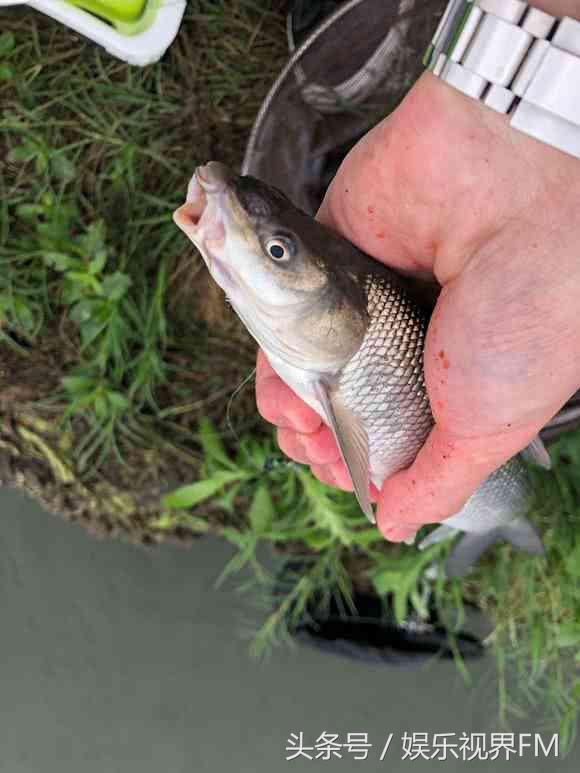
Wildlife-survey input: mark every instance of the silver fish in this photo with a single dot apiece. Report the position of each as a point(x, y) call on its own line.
point(347, 334)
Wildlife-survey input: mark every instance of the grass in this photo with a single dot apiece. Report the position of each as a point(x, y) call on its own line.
point(117, 357)
point(95, 156)
point(534, 604)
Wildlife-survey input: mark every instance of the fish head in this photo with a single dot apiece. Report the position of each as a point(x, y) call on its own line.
point(287, 276)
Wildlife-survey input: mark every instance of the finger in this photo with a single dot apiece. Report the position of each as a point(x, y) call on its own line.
point(445, 473)
point(324, 473)
point(278, 404)
point(314, 448)
point(320, 446)
point(400, 534)
point(289, 442)
point(335, 474)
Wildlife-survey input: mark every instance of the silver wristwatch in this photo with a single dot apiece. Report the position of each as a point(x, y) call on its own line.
point(517, 60)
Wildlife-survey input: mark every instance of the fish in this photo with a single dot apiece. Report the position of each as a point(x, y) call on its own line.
point(347, 334)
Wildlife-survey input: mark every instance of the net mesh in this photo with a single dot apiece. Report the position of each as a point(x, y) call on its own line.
point(350, 72)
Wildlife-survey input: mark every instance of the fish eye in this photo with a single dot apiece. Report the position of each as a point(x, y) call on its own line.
point(279, 248)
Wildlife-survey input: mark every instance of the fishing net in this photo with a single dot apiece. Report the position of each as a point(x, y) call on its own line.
point(351, 71)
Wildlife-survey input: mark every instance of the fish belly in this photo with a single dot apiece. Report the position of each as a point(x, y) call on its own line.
point(300, 382)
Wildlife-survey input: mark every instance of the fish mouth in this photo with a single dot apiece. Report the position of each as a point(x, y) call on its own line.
point(204, 216)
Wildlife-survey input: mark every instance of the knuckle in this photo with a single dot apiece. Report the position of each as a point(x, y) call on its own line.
point(290, 445)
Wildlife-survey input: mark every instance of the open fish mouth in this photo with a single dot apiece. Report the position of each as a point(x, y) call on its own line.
point(204, 216)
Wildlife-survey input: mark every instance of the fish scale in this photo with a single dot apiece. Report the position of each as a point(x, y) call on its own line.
point(384, 385)
point(507, 489)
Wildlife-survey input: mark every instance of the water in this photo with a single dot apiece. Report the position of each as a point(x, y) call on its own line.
point(120, 658)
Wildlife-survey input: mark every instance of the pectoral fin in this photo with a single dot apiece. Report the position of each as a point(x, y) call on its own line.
point(537, 453)
point(352, 441)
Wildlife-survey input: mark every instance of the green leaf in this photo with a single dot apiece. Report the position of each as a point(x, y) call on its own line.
point(212, 446)
point(62, 167)
point(227, 500)
point(101, 407)
point(24, 152)
point(78, 383)
point(6, 72)
point(246, 555)
point(305, 533)
point(188, 496)
point(324, 508)
point(40, 162)
point(261, 513)
point(163, 521)
point(116, 285)
point(171, 520)
point(317, 538)
point(118, 400)
point(58, 260)
point(97, 264)
point(366, 537)
point(93, 239)
point(85, 310)
point(573, 562)
point(90, 331)
point(84, 279)
point(193, 522)
point(568, 635)
point(24, 314)
point(29, 211)
point(400, 576)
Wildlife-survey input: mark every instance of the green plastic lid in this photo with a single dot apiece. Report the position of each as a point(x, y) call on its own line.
point(113, 11)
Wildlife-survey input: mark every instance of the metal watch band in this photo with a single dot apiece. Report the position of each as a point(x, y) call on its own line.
point(517, 60)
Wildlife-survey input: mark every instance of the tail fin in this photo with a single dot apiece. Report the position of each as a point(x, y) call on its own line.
point(520, 533)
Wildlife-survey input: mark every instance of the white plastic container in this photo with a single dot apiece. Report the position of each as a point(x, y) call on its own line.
point(139, 49)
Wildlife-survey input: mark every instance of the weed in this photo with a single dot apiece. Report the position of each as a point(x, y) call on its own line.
point(534, 604)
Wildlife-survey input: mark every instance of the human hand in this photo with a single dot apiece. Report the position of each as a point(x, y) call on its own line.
point(444, 187)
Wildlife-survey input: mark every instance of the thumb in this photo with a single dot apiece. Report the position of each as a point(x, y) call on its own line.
point(443, 476)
